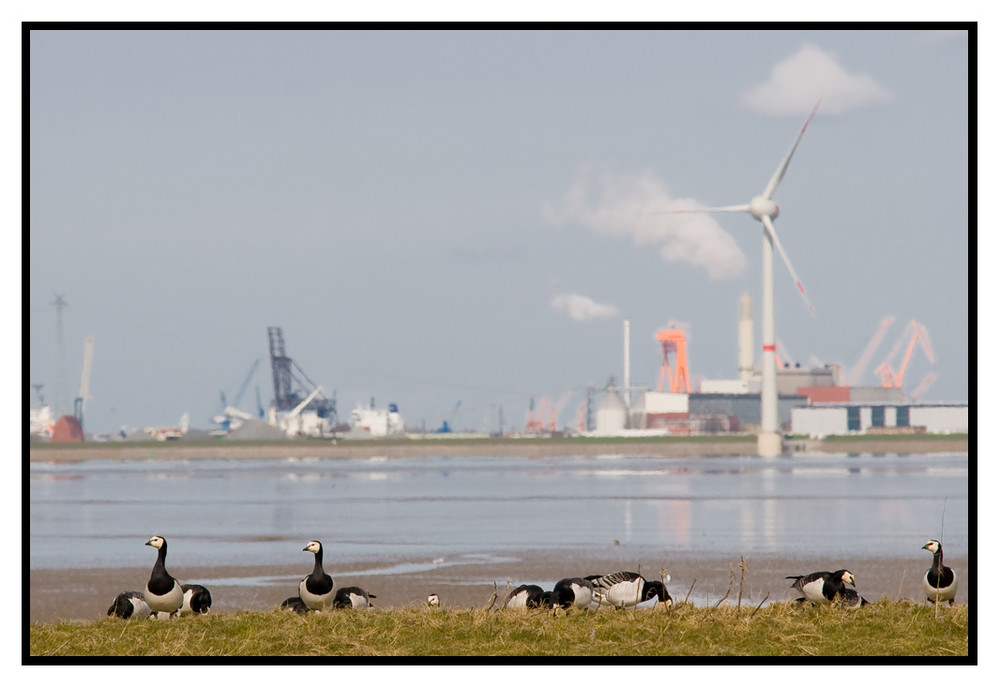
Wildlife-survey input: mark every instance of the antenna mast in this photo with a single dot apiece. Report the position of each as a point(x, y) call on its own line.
point(61, 400)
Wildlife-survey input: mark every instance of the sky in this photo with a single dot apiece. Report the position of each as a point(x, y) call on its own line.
point(459, 222)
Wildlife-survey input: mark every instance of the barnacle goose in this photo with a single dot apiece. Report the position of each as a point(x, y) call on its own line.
point(821, 587)
point(572, 592)
point(353, 597)
point(627, 589)
point(197, 599)
point(852, 599)
point(295, 604)
point(525, 597)
point(163, 592)
point(940, 581)
point(129, 605)
point(433, 600)
point(316, 589)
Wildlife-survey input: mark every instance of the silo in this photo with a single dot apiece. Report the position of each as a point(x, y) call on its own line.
point(611, 414)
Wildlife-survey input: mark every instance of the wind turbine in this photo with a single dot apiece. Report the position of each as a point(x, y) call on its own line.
point(764, 209)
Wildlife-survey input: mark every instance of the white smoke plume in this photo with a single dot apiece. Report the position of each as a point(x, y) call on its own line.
point(631, 206)
point(581, 307)
point(798, 82)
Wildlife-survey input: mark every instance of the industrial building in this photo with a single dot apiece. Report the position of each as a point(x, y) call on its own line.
point(822, 419)
point(815, 401)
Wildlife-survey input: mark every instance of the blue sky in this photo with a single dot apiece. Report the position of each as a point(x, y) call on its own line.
point(444, 217)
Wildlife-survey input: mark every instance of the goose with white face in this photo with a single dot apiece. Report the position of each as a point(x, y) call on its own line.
point(940, 582)
point(316, 590)
point(163, 592)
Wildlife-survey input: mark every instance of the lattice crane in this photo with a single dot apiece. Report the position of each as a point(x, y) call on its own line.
point(917, 333)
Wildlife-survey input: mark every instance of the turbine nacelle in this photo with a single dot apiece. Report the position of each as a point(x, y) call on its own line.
point(761, 207)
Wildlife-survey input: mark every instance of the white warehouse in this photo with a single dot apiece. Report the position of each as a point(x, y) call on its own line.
point(822, 419)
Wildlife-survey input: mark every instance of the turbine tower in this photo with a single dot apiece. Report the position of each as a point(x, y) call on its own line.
point(764, 209)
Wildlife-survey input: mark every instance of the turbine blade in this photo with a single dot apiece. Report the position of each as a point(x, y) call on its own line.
point(772, 185)
point(744, 208)
point(769, 227)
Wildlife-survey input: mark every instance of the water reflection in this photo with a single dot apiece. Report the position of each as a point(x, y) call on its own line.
point(257, 512)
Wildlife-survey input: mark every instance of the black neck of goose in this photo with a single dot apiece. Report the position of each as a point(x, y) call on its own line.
point(161, 558)
point(938, 557)
point(318, 568)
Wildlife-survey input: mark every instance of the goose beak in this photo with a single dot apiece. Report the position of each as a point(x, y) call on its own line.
point(149, 542)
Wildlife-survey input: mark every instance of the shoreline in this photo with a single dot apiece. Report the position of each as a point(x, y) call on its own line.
point(221, 449)
point(704, 580)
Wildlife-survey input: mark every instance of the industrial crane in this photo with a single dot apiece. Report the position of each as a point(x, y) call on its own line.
point(230, 411)
point(917, 333)
point(674, 341)
point(922, 387)
point(81, 399)
point(246, 382)
point(781, 352)
point(873, 344)
point(556, 408)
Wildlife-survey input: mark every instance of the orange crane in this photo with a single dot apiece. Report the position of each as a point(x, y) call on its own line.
point(674, 342)
point(876, 339)
point(556, 408)
point(922, 387)
point(779, 352)
point(917, 333)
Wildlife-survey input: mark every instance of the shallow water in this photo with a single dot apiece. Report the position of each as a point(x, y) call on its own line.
point(244, 512)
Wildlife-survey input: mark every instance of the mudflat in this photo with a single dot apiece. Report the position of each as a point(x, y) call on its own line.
point(86, 594)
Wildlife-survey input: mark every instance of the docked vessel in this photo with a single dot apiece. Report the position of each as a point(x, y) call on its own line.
point(377, 422)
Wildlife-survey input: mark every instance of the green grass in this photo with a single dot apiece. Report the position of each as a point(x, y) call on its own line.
point(883, 629)
point(923, 437)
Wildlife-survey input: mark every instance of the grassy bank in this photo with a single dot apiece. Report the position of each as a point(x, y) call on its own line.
point(882, 629)
point(710, 445)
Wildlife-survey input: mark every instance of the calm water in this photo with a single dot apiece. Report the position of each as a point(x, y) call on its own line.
point(241, 512)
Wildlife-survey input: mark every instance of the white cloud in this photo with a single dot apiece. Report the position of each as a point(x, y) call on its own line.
point(797, 82)
point(632, 206)
point(581, 307)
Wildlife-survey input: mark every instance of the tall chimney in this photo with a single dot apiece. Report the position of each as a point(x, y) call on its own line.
point(627, 378)
point(746, 337)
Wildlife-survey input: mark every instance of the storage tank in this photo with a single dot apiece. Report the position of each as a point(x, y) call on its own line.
point(67, 429)
point(611, 413)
